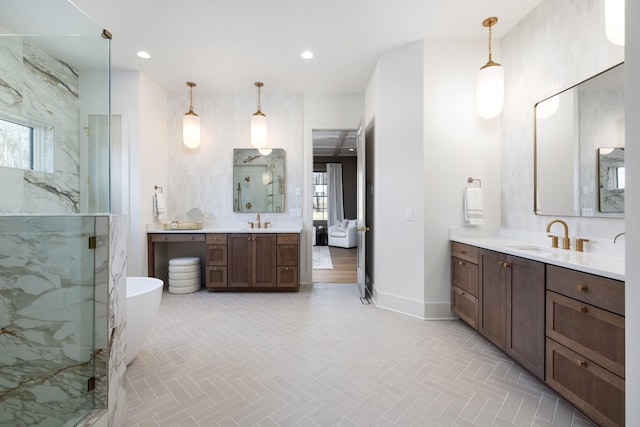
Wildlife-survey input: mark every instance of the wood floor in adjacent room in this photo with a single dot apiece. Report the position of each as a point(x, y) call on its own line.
point(319, 357)
point(344, 267)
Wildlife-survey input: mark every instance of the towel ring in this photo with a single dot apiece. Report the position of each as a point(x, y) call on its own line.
point(156, 187)
point(470, 180)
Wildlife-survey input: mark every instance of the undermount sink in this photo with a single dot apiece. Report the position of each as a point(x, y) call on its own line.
point(528, 248)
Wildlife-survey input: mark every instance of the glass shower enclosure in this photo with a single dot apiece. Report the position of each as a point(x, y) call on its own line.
point(54, 213)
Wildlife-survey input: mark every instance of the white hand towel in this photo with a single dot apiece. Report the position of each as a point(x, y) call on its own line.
point(159, 208)
point(473, 211)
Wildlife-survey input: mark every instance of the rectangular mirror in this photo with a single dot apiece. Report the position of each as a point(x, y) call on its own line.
point(258, 180)
point(579, 149)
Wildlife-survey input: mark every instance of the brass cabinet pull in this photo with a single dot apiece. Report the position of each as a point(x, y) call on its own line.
point(165, 238)
point(460, 262)
point(191, 237)
point(581, 363)
point(463, 252)
point(581, 288)
point(582, 309)
point(504, 264)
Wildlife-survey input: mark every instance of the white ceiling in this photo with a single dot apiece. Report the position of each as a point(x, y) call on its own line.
point(230, 44)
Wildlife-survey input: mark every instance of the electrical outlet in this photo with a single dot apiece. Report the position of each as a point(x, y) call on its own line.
point(587, 212)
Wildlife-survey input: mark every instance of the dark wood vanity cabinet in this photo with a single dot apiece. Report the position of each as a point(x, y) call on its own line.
point(252, 260)
point(512, 304)
point(464, 282)
point(287, 260)
point(216, 262)
point(564, 326)
point(585, 331)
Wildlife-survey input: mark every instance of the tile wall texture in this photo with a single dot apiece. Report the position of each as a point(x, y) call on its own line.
point(559, 44)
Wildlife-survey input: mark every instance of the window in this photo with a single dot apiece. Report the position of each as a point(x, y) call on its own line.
point(16, 145)
point(320, 196)
point(24, 145)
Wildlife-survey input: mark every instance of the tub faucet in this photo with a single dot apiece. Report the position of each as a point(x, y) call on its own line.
point(258, 220)
point(566, 244)
point(618, 235)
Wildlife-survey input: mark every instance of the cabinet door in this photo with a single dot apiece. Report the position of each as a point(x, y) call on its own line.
point(493, 296)
point(239, 260)
point(594, 390)
point(263, 260)
point(525, 313)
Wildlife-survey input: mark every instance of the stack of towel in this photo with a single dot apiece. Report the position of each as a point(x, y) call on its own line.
point(159, 207)
point(473, 211)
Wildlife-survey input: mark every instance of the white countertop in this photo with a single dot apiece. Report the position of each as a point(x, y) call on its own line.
point(611, 266)
point(230, 228)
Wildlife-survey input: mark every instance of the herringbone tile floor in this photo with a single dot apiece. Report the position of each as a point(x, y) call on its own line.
point(321, 358)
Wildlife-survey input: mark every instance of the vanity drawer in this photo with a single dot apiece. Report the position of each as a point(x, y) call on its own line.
point(287, 277)
point(465, 306)
point(288, 238)
point(219, 238)
point(465, 252)
point(216, 276)
point(594, 390)
point(217, 254)
point(287, 254)
point(598, 291)
point(464, 275)
point(597, 334)
point(177, 237)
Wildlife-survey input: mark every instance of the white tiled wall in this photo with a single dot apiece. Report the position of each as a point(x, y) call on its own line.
point(559, 44)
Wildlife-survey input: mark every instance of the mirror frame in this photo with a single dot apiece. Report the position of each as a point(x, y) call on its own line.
point(572, 165)
point(261, 178)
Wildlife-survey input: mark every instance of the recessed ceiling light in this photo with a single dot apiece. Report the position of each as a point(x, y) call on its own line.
point(307, 54)
point(142, 54)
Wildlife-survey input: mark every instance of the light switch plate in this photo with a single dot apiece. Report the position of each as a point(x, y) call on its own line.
point(408, 214)
point(296, 213)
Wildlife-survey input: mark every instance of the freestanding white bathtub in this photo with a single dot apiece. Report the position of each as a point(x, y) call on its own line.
point(143, 303)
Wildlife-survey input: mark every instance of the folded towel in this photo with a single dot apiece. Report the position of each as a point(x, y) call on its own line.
point(473, 211)
point(159, 208)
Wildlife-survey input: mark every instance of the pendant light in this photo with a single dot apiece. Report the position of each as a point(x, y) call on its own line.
point(191, 123)
point(490, 89)
point(614, 21)
point(259, 124)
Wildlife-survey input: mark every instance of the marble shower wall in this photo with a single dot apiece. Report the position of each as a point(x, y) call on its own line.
point(47, 319)
point(559, 44)
point(42, 90)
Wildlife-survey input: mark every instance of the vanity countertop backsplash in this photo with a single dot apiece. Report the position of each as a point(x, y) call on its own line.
point(601, 257)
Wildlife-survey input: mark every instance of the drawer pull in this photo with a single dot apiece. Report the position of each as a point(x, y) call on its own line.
point(460, 263)
point(191, 237)
point(582, 309)
point(581, 288)
point(463, 252)
point(581, 363)
point(504, 264)
point(165, 238)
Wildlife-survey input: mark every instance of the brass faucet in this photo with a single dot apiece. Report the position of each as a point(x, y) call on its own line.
point(258, 219)
point(566, 244)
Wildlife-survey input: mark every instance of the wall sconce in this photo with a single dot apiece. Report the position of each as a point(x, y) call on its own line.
point(191, 123)
point(490, 89)
point(614, 21)
point(259, 124)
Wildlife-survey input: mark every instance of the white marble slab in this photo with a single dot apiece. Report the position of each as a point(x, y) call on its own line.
point(528, 245)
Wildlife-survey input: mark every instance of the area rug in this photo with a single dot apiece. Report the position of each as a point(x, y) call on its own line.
point(322, 258)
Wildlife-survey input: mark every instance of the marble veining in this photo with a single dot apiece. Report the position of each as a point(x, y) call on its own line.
point(47, 317)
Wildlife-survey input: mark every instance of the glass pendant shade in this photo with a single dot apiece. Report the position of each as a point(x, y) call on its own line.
point(259, 130)
point(490, 83)
point(191, 123)
point(490, 91)
point(614, 21)
point(191, 130)
point(259, 125)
